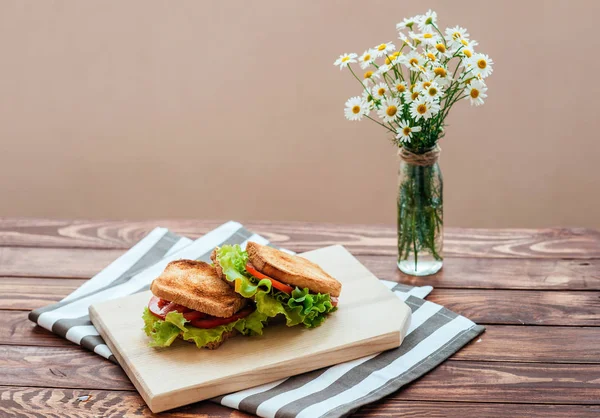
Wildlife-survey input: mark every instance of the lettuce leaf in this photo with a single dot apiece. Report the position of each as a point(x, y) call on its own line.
point(163, 333)
point(301, 307)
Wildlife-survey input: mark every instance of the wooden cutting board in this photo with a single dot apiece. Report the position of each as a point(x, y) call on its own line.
point(369, 319)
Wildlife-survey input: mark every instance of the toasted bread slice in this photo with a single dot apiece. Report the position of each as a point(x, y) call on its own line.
point(196, 285)
point(218, 268)
point(292, 269)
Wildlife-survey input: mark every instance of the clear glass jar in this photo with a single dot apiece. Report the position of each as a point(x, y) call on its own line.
point(420, 217)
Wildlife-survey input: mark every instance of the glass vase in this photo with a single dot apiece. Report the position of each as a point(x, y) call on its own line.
point(420, 213)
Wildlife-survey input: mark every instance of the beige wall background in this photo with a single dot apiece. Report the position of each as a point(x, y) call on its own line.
point(202, 109)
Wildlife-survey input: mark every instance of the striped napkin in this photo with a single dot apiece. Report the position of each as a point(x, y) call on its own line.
point(434, 335)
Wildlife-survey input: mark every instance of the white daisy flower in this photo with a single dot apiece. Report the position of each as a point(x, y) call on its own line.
point(366, 58)
point(356, 108)
point(384, 49)
point(423, 108)
point(371, 76)
point(368, 98)
point(393, 59)
point(380, 90)
point(410, 96)
point(441, 75)
point(405, 131)
point(413, 61)
point(345, 59)
point(480, 65)
point(399, 87)
point(409, 22)
point(477, 92)
point(389, 109)
point(428, 20)
point(427, 37)
point(383, 69)
point(432, 91)
point(442, 50)
point(456, 34)
point(431, 55)
point(405, 40)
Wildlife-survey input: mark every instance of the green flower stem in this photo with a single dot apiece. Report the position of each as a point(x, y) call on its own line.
point(379, 123)
point(419, 212)
point(361, 83)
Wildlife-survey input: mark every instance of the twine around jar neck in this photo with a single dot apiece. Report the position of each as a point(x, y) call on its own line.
point(424, 160)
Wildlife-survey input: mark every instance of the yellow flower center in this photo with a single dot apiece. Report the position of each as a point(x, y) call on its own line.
point(396, 54)
point(441, 48)
point(367, 58)
point(381, 47)
point(431, 56)
point(356, 109)
point(440, 72)
point(422, 109)
point(387, 60)
point(368, 74)
point(391, 111)
point(482, 64)
point(456, 35)
point(415, 95)
point(346, 58)
point(474, 93)
point(406, 131)
point(465, 43)
point(432, 91)
point(426, 84)
point(467, 53)
point(400, 88)
point(381, 91)
point(413, 61)
point(427, 36)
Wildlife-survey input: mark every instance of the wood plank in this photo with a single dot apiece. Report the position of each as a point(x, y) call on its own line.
point(497, 273)
point(507, 307)
point(16, 329)
point(525, 307)
point(302, 236)
point(534, 344)
point(51, 402)
point(464, 381)
point(32, 292)
point(390, 407)
point(498, 343)
point(78, 403)
point(467, 381)
point(489, 273)
point(54, 262)
point(61, 367)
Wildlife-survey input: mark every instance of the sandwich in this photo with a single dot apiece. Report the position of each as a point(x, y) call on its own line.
point(278, 283)
point(190, 301)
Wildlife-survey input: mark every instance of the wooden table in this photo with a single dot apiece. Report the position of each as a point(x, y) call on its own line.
point(537, 292)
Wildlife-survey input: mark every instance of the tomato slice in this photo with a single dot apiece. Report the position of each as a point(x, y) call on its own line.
point(194, 315)
point(213, 321)
point(160, 307)
point(334, 301)
point(275, 283)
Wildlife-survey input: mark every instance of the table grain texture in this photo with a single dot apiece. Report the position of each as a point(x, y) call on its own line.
point(537, 291)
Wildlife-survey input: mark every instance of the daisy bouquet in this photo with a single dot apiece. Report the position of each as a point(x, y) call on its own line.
point(409, 91)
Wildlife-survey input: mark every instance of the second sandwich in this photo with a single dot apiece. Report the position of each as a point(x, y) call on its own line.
point(279, 283)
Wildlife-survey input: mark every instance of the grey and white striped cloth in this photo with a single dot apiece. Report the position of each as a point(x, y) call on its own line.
point(434, 335)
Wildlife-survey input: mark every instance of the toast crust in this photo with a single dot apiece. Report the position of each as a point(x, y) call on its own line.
point(292, 269)
point(196, 285)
